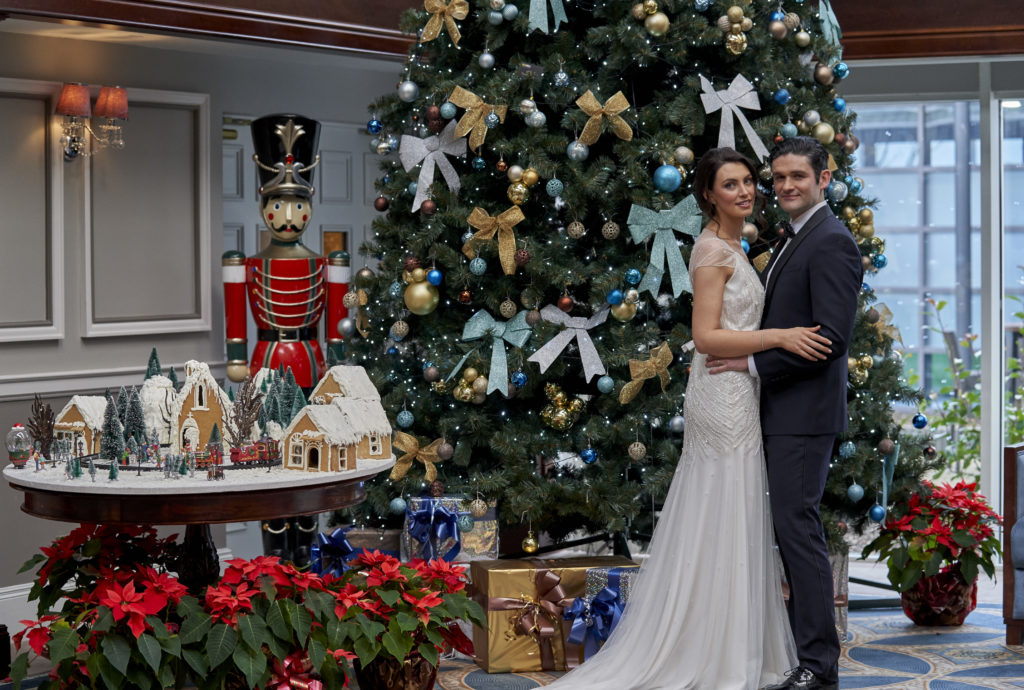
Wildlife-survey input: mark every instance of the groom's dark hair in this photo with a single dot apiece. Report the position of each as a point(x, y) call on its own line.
point(809, 147)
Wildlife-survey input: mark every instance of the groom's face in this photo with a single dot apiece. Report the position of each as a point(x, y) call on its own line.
point(796, 186)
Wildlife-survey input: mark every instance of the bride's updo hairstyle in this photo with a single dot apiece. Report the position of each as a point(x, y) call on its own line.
point(708, 168)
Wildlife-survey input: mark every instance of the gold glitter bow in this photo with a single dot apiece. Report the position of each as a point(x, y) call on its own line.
point(640, 370)
point(472, 121)
point(884, 325)
point(411, 445)
point(612, 107)
point(362, 321)
point(444, 14)
point(502, 225)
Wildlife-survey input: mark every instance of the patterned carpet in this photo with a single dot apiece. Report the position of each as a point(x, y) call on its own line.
point(885, 650)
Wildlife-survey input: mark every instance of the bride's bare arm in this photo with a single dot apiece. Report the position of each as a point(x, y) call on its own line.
point(710, 338)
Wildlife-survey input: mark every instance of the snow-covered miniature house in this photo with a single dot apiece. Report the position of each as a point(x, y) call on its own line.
point(157, 395)
point(348, 425)
point(199, 405)
point(81, 422)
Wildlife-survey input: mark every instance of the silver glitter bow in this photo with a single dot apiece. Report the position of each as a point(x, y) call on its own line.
point(740, 94)
point(432, 152)
point(539, 15)
point(576, 327)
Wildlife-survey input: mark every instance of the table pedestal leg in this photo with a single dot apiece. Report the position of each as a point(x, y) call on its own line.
point(198, 565)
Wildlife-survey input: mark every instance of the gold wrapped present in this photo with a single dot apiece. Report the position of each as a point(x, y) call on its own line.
point(525, 601)
point(432, 530)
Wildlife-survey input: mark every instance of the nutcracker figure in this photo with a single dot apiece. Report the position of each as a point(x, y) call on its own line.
point(289, 288)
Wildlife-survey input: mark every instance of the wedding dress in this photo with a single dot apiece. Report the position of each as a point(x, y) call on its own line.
point(707, 611)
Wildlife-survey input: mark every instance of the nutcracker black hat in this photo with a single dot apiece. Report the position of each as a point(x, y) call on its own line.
point(286, 153)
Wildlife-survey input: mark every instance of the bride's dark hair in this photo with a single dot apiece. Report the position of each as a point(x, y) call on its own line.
point(704, 180)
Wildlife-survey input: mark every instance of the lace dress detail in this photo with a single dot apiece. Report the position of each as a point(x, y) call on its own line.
point(707, 610)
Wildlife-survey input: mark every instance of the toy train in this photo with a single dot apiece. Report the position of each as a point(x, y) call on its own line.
point(260, 452)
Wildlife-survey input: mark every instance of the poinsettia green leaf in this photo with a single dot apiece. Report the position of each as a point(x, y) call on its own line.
point(159, 629)
point(317, 652)
point(250, 662)
point(117, 651)
point(194, 628)
point(388, 596)
point(253, 630)
point(19, 669)
point(220, 642)
point(336, 632)
point(63, 643)
point(277, 622)
point(299, 619)
point(934, 564)
point(150, 650)
point(166, 676)
point(428, 652)
point(278, 648)
point(908, 579)
point(31, 563)
point(396, 642)
point(366, 650)
point(899, 559)
point(475, 613)
point(407, 622)
point(963, 538)
point(370, 628)
point(112, 678)
point(139, 678)
point(189, 606)
point(172, 645)
point(196, 661)
point(969, 569)
point(434, 637)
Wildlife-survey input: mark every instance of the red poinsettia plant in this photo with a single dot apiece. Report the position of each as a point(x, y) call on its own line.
point(942, 528)
point(112, 614)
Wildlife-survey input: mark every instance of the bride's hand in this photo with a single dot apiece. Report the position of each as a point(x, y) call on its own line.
point(806, 342)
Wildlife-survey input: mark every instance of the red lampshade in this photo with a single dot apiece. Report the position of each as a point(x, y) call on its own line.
point(112, 103)
point(74, 100)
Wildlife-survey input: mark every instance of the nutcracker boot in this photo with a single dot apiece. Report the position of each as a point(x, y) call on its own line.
point(301, 535)
point(275, 538)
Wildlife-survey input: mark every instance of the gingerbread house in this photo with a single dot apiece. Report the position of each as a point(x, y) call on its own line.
point(199, 405)
point(80, 423)
point(335, 436)
point(344, 382)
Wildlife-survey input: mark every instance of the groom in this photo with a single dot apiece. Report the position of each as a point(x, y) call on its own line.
point(813, 278)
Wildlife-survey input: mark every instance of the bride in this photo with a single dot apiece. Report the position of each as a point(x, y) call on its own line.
point(707, 610)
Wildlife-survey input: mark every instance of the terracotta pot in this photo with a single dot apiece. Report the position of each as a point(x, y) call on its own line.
point(385, 673)
point(943, 599)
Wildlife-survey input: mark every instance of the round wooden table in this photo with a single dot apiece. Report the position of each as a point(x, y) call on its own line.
point(151, 499)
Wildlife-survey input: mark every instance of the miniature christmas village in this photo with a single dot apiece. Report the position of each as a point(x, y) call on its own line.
point(196, 432)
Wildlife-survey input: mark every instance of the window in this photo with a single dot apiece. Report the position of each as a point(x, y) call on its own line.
point(375, 445)
point(295, 454)
point(200, 397)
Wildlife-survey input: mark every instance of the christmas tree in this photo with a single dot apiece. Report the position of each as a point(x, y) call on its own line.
point(111, 434)
point(528, 318)
point(153, 366)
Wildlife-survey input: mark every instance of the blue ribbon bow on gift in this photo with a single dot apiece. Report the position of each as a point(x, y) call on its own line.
point(330, 552)
point(593, 623)
point(431, 525)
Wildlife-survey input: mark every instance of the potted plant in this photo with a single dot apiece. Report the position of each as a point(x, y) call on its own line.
point(111, 614)
point(935, 545)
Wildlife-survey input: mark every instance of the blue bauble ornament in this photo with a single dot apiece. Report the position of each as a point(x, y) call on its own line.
point(519, 379)
point(879, 261)
point(745, 245)
point(478, 266)
point(701, 5)
point(374, 126)
point(855, 492)
point(836, 190)
point(847, 449)
point(789, 130)
point(427, 365)
point(494, 18)
point(398, 505)
point(634, 276)
point(554, 187)
point(509, 12)
point(411, 188)
point(392, 141)
point(606, 384)
point(877, 513)
point(466, 523)
point(667, 178)
point(778, 16)
point(781, 96)
point(919, 421)
point(589, 455)
point(405, 419)
point(614, 297)
point(855, 186)
point(392, 350)
point(865, 288)
point(848, 180)
point(839, 103)
point(396, 338)
point(577, 151)
point(448, 110)
point(395, 290)
point(561, 78)
point(492, 120)
point(841, 70)
point(479, 163)
point(434, 276)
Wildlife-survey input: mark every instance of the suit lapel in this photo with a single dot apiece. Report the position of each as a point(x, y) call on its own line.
point(791, 248)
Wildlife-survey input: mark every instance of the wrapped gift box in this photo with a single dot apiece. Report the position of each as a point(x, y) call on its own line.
point(525, 601)
point(593, 618)
point(384, 540)
point(430, 516)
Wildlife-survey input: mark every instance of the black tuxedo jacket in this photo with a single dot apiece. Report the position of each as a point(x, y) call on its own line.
point(817, 281)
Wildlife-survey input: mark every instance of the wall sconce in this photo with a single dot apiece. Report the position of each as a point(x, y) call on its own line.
point(73, 104)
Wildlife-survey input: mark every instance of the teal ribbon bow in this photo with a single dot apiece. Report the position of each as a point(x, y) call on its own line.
point(515, 331)
point(539, 15)
point(830, 25)
point(643, 222)
point(888, 470)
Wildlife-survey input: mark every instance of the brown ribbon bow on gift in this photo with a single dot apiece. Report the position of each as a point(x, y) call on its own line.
point(472, 121)
point(537, 616)
point(444, 14)
point(612, 107)
point(501, 224)
point(640, 370)
point(411, 445)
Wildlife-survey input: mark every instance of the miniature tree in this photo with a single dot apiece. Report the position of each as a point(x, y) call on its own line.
point(215, 435)
point(173, 377)
point(153, 368)
point(245, 412)
point(112, 434)
point(298, 402)
point(286, 396)
point(40, 425)
point(122, 406)
point(134, 417)
point(112, 473)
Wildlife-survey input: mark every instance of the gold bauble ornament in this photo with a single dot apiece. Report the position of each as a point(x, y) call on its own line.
point(802, 39)
point(463, 393)
point(682, 172)
point(418, 274)
point(480, 384)
point(421, 298)
point(470, 374)
point(383, 147)
point(848, 212)
point(823, 74)
point(724, 24)
point(866, 215)
point(851, 144)
point(350, 300)
point(560, 418)
point(638, 12)
point(623, 311)
point(777, 29)
point(439, 386)
point(559, 398)
point(364, 277)
point(865, 261)
point(735, 14)
point(632, 296)
point(507, 308)
point(657, 24)
point(866, 361)
point(515, 173)
point(650, 6)
point(824, 133)
point(683, 155)
point(576, 230)
point(530, 544)
point(478, 508)
point(479, 398)
point(791, 20)
point(518, 193)
point(637, 451)
point(747, 24)
point(749, 232)
point(858, 376)
point(530, 177)
point(867, 230)
point(575, 406)
point(736, 43)
point(877, 244)
point(765, 172)
point(852, 363)
point(802, 127)
point(610, 230)
point(400, 329)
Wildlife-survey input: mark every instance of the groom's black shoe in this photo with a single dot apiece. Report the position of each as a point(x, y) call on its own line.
point(801, 678)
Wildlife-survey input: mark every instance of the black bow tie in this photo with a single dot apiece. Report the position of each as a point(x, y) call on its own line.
point(786, 231)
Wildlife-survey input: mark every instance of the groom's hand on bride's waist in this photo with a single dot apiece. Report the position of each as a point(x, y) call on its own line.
point(718, 365)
